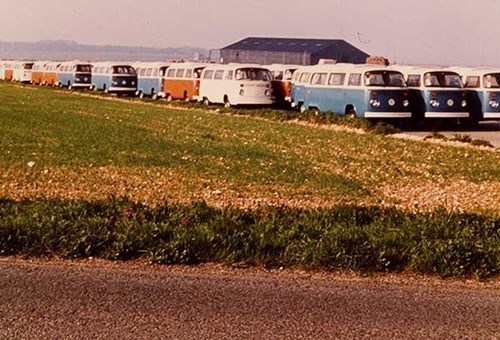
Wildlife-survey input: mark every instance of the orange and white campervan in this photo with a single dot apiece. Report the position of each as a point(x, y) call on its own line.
point(182, 81)
point(37, 72)
point(50, 77)
point(8, 69)
point(282, 82)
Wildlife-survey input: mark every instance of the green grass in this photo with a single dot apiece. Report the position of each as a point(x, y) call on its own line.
point(65, 131)
point(344, 237)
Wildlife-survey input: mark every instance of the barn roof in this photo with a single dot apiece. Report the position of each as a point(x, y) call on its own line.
point(289, 44)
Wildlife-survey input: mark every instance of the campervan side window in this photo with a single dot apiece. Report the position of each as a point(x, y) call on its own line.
point(154, 72)
point(354, 79)
point(179, 73)
point(208, 74)
point(171, 72)
point(318, 79)
point(304, 77)
point(413, 80)
point(472, 81)
point(336, 79)
point(142, 72)
point(219, 74)
point(189, 73)
point(229, 75)
point(149, 72)
point(491, 80)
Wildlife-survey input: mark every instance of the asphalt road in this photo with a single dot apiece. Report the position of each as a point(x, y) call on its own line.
point(95, 300)
point(487, 130)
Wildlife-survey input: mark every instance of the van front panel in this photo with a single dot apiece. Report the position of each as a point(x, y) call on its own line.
point(445, 103)
point(387, 103)
point(491, 104)
point(125, 83)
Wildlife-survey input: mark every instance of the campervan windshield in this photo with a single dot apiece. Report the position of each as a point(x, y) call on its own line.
point(384, 78)
point(442, 79)
point(253, 74)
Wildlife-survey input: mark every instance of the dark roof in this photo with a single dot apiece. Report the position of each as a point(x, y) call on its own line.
point(288, 44)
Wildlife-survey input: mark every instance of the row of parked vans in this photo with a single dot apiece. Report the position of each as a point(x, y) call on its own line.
point(371, 91)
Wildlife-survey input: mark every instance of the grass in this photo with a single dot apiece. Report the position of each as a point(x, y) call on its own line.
point(344, 237)
point(244, 190)
point(93, 148)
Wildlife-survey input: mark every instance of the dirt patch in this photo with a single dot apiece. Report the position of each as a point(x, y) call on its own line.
point(153, 186)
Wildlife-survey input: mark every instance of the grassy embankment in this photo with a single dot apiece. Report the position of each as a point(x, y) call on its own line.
point(58, 148)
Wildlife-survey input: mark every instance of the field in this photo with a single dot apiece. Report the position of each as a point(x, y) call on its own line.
point(60, 145)
point(204, 185)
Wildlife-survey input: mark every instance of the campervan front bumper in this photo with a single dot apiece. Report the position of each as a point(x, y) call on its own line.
point(491, 115)
point(382, 114)
point(444, 114)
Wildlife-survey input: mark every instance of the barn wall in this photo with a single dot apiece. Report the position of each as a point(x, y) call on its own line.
point(265, 57)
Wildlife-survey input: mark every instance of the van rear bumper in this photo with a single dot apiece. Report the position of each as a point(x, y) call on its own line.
point(377, 114)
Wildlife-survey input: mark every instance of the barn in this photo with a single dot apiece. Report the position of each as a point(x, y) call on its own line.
point(291, 51)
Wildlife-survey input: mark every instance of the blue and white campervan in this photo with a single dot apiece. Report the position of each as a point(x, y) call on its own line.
point(116, 78)
point(483, 92)
point(150, 79)
point(435, 93)
point(74, 74)
point(370, 91)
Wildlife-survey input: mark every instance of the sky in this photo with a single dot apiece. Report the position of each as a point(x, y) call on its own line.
point(444, 32)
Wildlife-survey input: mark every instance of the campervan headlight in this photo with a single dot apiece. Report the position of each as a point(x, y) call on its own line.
point(434, 102)
point(375, 102)
point(267, 93)
point(242, 92)
point(406, 103)
point(493, 103)
point(115, 82)
point(463, 103)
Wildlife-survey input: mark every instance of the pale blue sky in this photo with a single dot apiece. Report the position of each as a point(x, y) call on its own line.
point(464, 32)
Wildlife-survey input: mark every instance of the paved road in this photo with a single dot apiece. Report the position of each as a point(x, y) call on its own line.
point(94, 300)
point(487, 130)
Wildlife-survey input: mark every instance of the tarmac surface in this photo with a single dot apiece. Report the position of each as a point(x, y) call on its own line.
point(104, 300)
point(486, 130)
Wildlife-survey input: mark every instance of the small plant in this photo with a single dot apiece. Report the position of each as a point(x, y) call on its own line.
point(383, 128)
point(436, 135)
point(481, 142)
point(463, 138)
